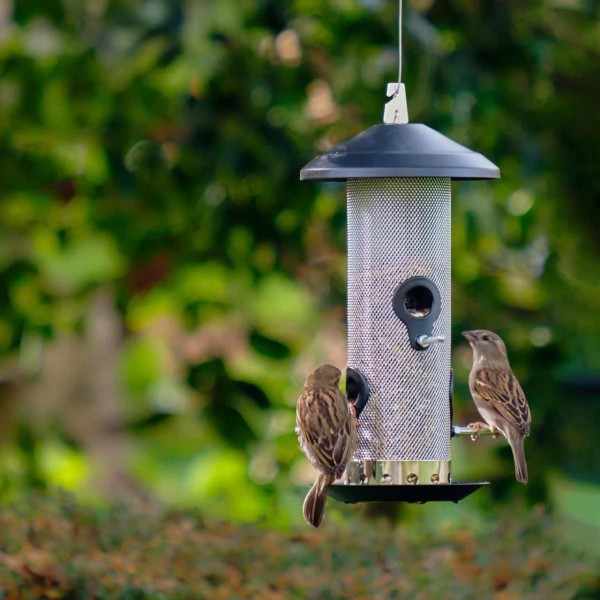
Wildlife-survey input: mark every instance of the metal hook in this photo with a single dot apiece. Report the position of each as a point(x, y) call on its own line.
point(396, 110)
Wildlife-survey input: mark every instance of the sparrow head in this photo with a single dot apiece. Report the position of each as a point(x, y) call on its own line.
point(324, 376)
point(486, 344)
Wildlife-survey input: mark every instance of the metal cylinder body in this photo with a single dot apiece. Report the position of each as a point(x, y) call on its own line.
point(399, 228)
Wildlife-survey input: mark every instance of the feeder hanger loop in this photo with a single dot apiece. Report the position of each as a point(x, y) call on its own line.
point(396, 110)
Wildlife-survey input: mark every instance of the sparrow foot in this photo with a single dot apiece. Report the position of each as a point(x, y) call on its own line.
point(478, 427)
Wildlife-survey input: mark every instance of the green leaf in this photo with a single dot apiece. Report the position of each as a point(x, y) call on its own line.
point(268, 346)
point(82, 261)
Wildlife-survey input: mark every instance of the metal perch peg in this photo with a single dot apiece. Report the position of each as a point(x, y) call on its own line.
point(426, 340)
point(474, 432)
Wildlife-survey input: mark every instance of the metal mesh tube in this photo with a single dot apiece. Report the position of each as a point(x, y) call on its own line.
point(399, 228)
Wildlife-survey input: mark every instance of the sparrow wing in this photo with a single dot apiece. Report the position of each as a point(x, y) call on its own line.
point(501, 390)
point(327, 428)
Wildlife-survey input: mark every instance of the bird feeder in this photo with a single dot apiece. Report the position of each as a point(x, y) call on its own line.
point(398, 188)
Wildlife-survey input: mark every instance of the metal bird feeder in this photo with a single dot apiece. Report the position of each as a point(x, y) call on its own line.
point(398, 177)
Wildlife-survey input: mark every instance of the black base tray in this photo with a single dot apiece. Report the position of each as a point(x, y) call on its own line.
point(420, 494)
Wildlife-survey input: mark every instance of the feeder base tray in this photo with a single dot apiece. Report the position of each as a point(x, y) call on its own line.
point(419, 494)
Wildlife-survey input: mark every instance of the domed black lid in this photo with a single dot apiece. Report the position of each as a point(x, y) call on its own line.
point(399, 150)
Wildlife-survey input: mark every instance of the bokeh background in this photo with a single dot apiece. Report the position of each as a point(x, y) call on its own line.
point(167, 282)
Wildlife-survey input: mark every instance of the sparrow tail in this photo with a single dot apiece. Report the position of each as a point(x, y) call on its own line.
point(316, 499)
point(518, 449)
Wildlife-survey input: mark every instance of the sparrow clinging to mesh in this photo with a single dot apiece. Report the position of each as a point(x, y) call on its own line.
point(498, 395)
point(326, 426)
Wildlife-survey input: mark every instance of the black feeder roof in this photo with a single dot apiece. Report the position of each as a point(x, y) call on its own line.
point(399, 150)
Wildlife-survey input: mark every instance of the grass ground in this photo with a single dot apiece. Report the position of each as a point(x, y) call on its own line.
point(52, 547)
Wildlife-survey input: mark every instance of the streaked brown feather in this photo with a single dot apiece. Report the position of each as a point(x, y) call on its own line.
point(502, 391)
point(498, 395)
point(327, 433)
point(327, 428)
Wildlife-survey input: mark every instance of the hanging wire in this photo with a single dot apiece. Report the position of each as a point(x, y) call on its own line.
point(395, 110)
point(399, 42)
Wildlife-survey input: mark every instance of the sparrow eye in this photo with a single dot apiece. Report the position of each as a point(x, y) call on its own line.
point(486, 338)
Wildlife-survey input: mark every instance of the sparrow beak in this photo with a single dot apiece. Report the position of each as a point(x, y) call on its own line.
point(469, 335)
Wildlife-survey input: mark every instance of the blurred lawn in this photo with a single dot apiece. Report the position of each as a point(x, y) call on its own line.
point(53, 547)
point(579, 500)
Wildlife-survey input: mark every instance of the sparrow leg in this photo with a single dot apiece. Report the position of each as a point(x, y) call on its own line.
point(353, 411)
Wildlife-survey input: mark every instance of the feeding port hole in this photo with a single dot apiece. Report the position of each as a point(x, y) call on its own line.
point(418, 302)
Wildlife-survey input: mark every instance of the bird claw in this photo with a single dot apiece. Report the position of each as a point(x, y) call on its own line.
point(477, 427)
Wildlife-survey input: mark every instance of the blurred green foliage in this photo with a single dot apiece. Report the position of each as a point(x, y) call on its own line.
point(153, 148)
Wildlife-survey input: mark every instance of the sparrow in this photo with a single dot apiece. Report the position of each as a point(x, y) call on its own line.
point(326, 427)
point(498, 396)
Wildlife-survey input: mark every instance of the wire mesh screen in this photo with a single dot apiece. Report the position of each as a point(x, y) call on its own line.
point(399, 228)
